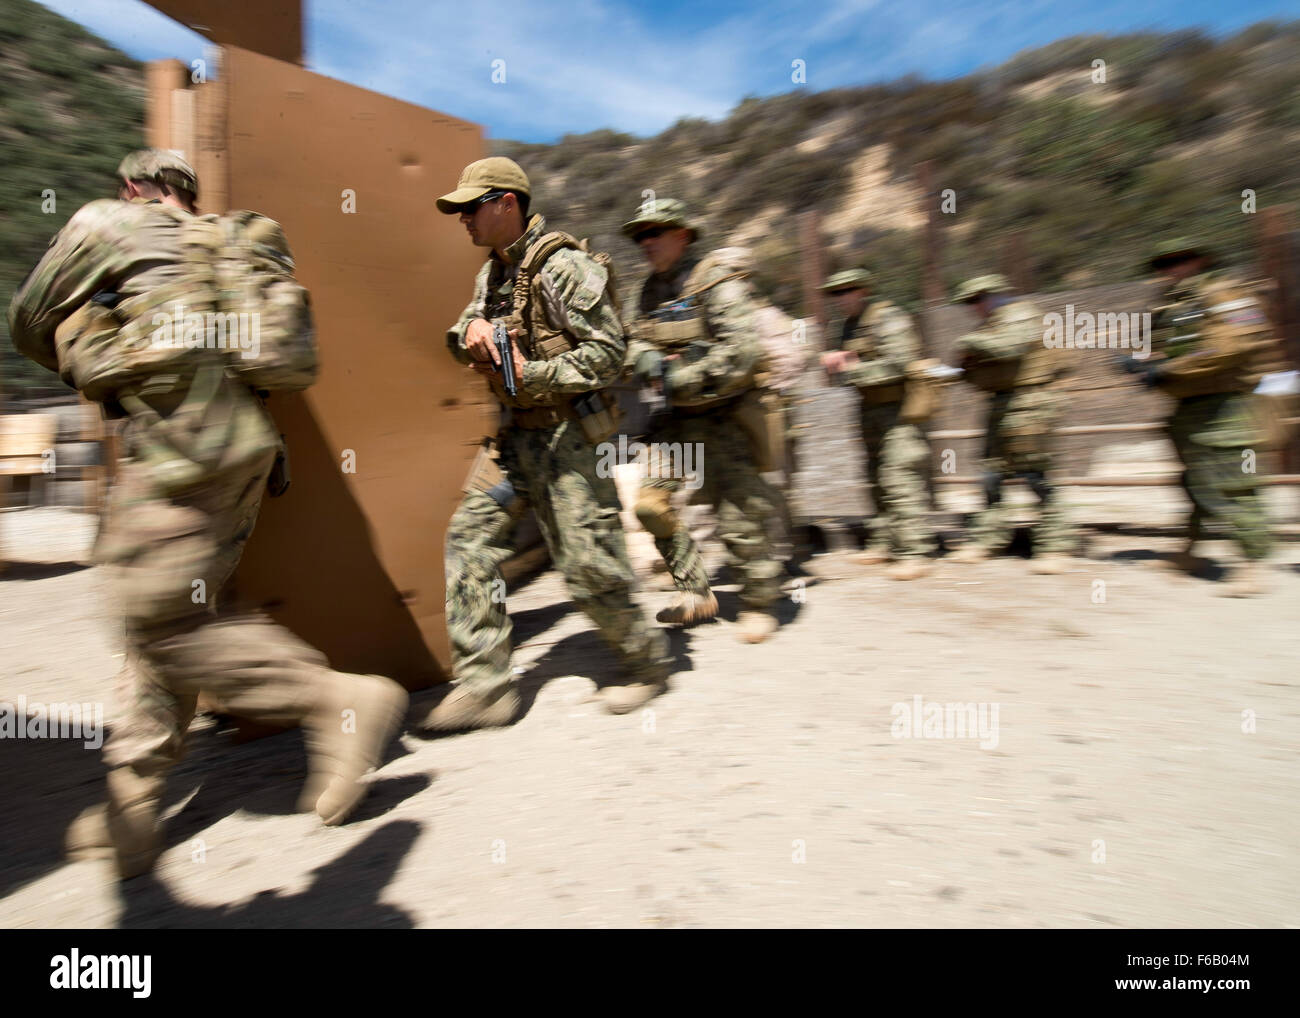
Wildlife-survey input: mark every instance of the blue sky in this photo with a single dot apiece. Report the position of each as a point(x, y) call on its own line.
point(579, 65)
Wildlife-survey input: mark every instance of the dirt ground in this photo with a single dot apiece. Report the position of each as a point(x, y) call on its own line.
point(1142, 772)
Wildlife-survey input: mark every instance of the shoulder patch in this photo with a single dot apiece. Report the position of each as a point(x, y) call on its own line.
point(577, 277)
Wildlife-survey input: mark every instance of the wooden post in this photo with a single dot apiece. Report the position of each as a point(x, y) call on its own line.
point(814, 268)
point(932, 288)
point(1015, 261)
point(1280, 260)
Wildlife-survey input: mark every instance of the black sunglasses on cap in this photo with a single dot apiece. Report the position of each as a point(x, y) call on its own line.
point(650, 233)
point(469, 208)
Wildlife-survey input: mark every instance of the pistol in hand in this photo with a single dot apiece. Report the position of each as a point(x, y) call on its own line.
point(501, 338)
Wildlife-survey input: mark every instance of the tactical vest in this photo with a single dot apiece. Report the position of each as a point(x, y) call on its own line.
point(530, 300)
point(1223, 316)
point(208, 309)
point(865, 343)
point(1036, 365)
point(676, 324)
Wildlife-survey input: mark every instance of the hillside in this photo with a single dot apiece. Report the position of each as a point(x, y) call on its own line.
point(1088, 172)
point(70, 107)
point(1182, 125)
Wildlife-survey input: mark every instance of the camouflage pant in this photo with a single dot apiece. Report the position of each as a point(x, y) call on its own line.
point(167, 556)
point(553, 470)
point(731, 484)
point(1018, 444)
point(898, 464)
point(1210, 434)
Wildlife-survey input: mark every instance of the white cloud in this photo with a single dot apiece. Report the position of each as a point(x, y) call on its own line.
point(133, 26)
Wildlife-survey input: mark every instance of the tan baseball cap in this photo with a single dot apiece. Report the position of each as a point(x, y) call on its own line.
point(161, 166)
point(496, 173)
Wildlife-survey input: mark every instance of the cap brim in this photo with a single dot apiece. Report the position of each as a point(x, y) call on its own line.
point(459, 198)
point(637, 225)
point(630, 230)
point(1174, 257)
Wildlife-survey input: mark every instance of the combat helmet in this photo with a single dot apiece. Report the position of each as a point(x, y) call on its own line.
point(977, 287)
point(661, 212)
point(161, 166)
point(1175, 249)
point(849, 279)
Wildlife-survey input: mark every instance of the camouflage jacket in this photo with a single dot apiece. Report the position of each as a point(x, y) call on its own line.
point(885, 342)
point(582, 307)
point(725, 361)
point(128, 247)
point(996, 355)
point(1213, 337)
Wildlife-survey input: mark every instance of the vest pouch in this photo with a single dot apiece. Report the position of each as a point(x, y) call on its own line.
point(84, 343)
point(762, 418)
point(920, 398)
point(598, 415)
point(671, 335)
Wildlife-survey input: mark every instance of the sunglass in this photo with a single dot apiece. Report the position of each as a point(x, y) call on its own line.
point(469, 208)
point(650, 234)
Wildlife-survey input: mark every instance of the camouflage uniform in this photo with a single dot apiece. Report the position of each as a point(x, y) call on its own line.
point(553, 470)
point(713, 373)
point(898, 453)
point(1021, 416)
point(197, 450)
point(1202, 329)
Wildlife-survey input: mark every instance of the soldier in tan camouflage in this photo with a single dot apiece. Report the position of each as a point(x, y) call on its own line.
point(878, 354)
point(1006, 357)
point(1211, 342)
point(567, 345)
point(695, 342)
point(198, 449)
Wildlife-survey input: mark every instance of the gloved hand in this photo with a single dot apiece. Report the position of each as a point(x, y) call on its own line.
point(649, 366)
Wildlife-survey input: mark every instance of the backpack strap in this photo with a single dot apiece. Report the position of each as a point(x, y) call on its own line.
point(531, 265)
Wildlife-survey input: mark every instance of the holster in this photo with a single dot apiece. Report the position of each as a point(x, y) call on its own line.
point(598, 414)
point(762, 417)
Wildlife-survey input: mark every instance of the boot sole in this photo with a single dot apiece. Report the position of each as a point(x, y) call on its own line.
point(493, 716)
point(391, 705)
point(627, 707)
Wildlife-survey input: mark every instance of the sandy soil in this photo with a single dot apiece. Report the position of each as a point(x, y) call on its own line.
point(766, 788)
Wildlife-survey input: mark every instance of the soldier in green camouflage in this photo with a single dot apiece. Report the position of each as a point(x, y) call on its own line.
point(567, 343)
point(198, 449)
point(695, 342)
point(1007, 357)
point(877, 348)
point(1208, 337)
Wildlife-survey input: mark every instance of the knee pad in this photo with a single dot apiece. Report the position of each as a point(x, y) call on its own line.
point(655, 511)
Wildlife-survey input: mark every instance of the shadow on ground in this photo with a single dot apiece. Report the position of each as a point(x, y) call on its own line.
point(344, 894)
point(48, 782)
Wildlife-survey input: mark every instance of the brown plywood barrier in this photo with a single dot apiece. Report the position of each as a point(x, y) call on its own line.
point(353, 562)
point(272, 27)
